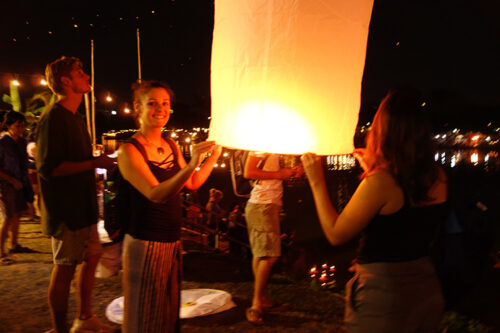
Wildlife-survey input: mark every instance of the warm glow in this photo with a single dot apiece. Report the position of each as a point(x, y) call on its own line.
point(475, 138)
point(15, 83)
point(474, 158)
point(282, 81)
point(126, 110)
point(108, 98)
point(43, 82)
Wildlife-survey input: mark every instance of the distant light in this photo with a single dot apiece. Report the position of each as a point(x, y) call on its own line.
point(436, 157)
point(121, 18)
point(75, 25)
point(475, 138)
point(197, 169)
point(453, 161)
point(14, 40)
point(443, 136)
point(126, 110)
point(474, 158)
point(43, 82)
point(216, 165)
point(225, 154)
point(397, 43)
point(50, 32)
point(368, 124)
point(209, 118)
point(423, 104)
point(15, 83)
point(173, 135)
point(223, 165)
point(455, 130)
point(188, 140)
point(488, 139)
point(108, 98)
point(152, 12)
point(114, 113)
point(437, 136)
point(490, 123)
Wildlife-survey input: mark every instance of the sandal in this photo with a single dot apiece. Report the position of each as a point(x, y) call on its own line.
point(254, 316)
point(6, 261)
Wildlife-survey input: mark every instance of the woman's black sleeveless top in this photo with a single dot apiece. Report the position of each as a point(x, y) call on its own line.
point(160, 222)
point(402, 236)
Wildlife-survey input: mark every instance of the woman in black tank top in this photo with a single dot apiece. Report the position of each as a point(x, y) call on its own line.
point(397, 208)
point(156, 172)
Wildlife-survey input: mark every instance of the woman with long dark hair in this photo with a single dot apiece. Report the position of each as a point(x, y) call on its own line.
point(156, 172)
point(397, 208)
point(15, 187)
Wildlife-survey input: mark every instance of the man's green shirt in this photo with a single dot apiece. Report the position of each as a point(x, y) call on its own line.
point(69, 200)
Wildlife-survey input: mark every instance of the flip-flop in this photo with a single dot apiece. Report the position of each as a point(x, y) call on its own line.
point(6, 261)
point(254, 316)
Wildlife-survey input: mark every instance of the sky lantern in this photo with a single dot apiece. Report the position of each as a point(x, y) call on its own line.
point(286, 75)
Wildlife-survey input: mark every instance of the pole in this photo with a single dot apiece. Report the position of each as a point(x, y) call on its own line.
point(92, 91)
point(139, 56)
point(87, 113)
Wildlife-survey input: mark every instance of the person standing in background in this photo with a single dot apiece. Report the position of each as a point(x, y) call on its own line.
point(15, 187)
point(263, 224)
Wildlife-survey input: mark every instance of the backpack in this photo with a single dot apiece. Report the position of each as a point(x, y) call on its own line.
point(117, 198)
point(241, 185)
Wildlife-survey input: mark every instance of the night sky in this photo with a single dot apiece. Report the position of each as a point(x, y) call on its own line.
point(448, 48)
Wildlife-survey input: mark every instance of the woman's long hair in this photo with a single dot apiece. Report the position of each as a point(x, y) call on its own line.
point(400, 142)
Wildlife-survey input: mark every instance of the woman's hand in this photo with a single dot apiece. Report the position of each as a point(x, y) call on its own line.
point(359, 154)
point(199, 151)
point(313, 167)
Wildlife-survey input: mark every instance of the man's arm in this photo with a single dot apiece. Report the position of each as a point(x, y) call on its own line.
point(67, 168)
point(251, 170)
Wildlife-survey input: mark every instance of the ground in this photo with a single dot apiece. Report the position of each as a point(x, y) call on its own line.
point(23, 289)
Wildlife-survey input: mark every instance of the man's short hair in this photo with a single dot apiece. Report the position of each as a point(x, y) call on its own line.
point(57, 69)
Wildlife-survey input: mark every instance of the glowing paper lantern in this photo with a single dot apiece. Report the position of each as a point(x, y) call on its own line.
point(286, 74)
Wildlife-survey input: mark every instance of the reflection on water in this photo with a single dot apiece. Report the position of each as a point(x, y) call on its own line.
point(489, 160)
point(486, 159)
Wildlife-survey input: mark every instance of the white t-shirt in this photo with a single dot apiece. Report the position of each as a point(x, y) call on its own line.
point(267, 191)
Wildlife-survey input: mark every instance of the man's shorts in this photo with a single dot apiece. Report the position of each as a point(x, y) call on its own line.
point(73, 247)
point(13, 201)
point(263, 224)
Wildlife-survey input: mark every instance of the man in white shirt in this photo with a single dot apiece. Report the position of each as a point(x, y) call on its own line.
point(263, 223)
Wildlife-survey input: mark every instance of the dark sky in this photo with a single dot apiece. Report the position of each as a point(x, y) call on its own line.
point(448, 48)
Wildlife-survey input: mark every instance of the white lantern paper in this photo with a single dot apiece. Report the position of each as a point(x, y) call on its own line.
point(286, 74)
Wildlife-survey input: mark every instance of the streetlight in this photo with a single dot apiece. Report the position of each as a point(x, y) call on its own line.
point(109, 98)
point(15, 83)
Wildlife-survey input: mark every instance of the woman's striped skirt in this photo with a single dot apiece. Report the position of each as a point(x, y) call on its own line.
point(151, 285)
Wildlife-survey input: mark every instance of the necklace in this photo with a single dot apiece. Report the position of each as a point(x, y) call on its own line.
point(159, 149)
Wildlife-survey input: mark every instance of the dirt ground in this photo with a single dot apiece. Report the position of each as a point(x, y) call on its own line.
point(24, 309)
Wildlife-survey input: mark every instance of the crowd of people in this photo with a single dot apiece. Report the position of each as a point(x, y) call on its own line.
point(399, 204)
